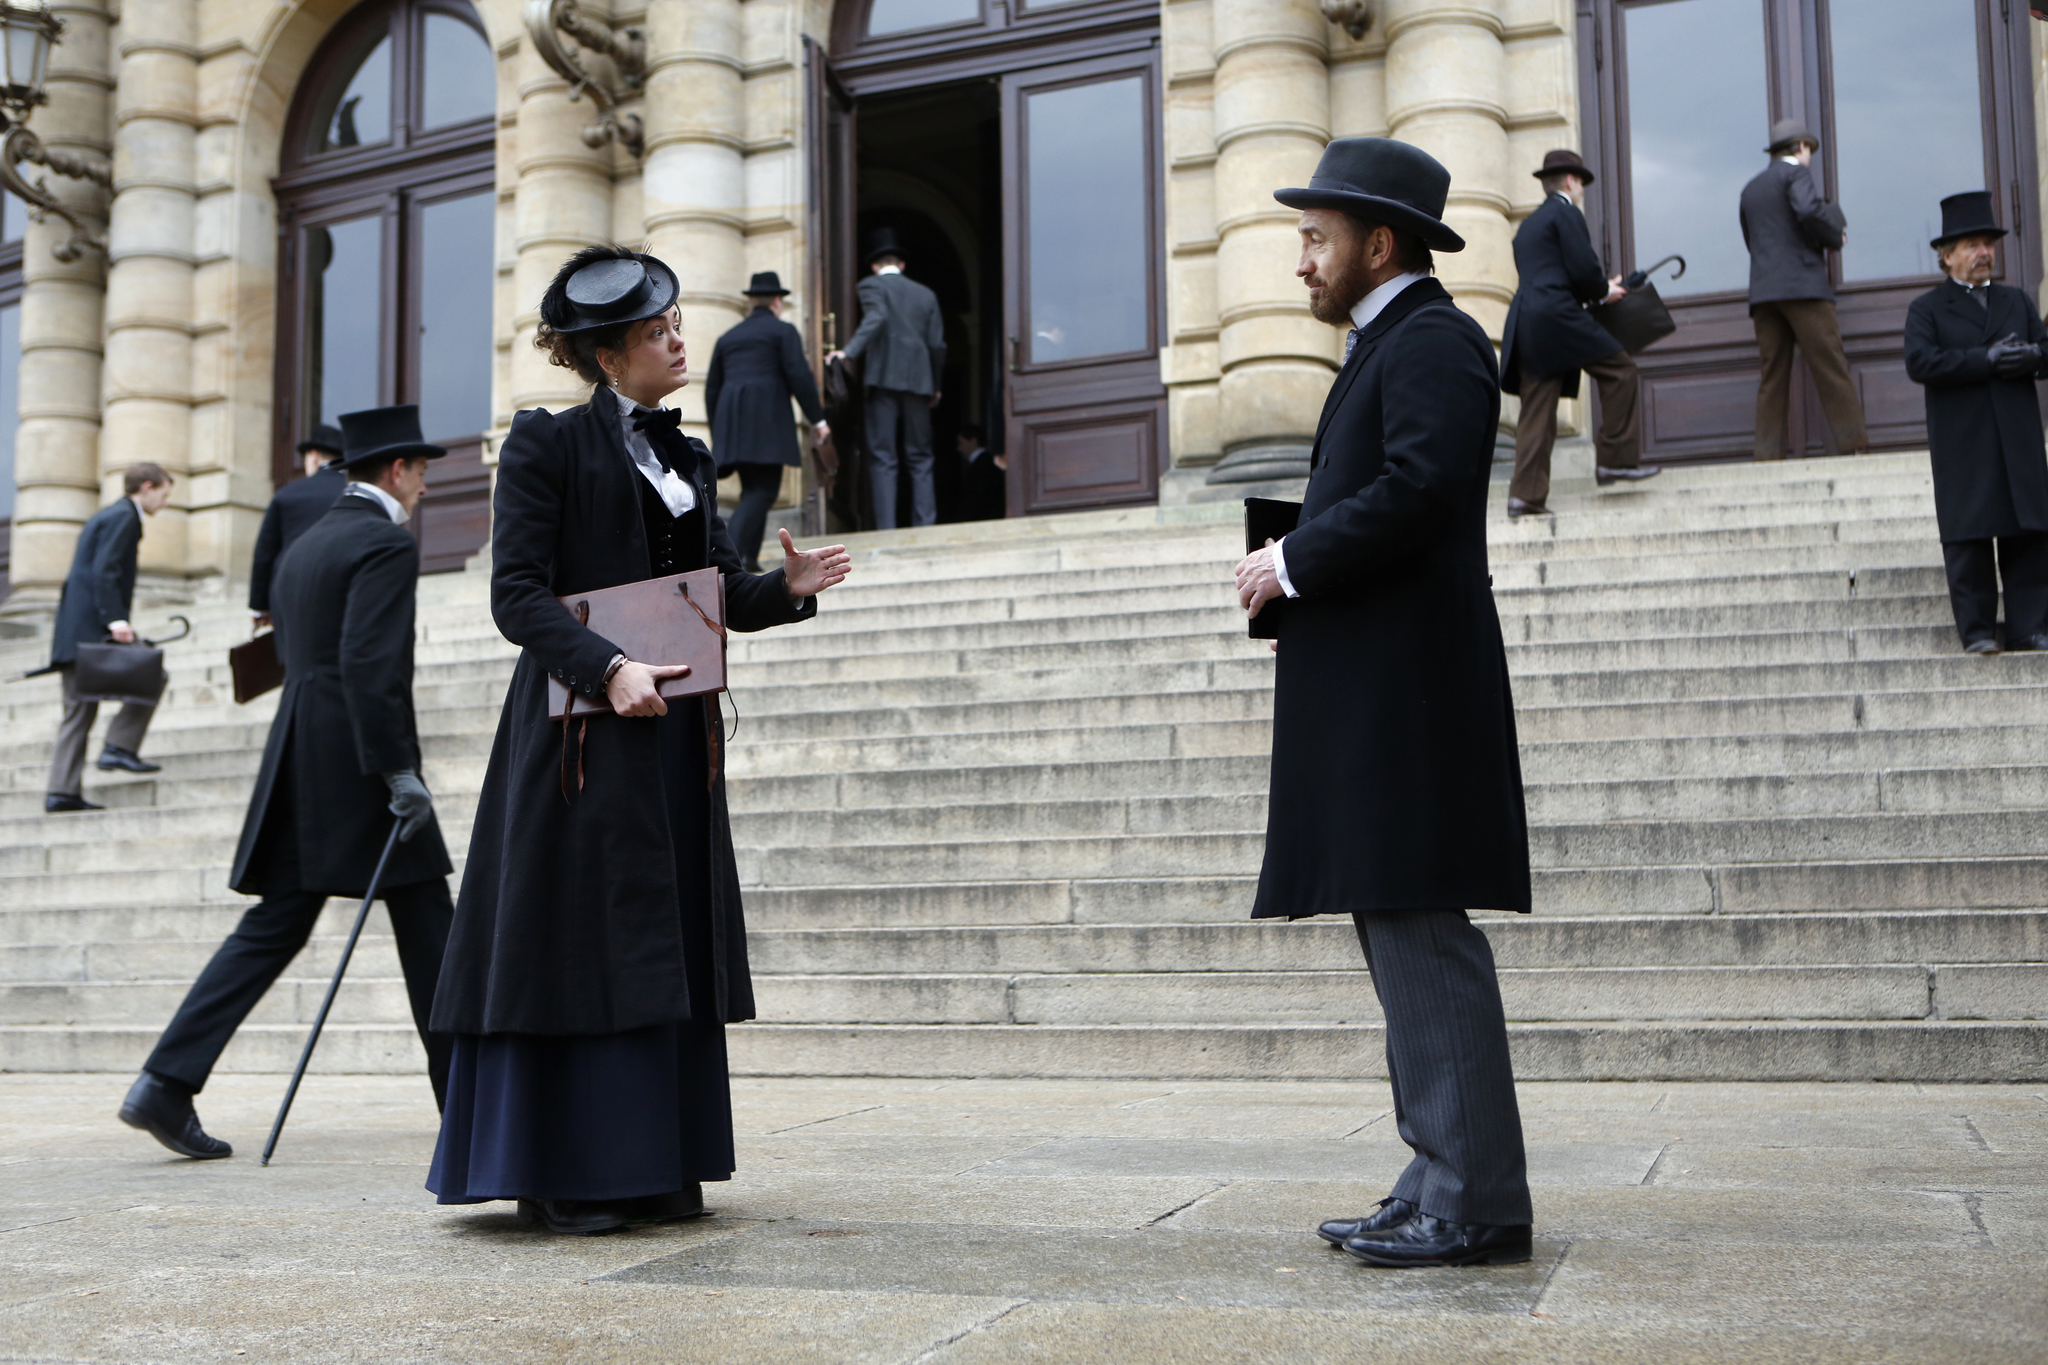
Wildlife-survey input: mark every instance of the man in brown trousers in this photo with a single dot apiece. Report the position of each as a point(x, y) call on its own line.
point(1789, 229)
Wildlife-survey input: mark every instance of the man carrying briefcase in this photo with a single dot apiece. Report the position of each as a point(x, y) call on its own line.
point(343, 758)
point(98, 594)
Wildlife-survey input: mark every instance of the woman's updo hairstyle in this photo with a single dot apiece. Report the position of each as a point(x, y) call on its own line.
point(577, 351)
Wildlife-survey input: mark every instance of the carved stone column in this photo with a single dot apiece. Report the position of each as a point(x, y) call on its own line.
point(56, 445)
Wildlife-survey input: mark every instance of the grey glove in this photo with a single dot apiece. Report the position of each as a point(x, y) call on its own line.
point(411, 802)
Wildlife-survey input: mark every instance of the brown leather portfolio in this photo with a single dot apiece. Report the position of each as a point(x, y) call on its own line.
point(255, 667)
point(674, 620)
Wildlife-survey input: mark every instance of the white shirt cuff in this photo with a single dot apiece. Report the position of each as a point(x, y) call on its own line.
point(117, 625)
point(1280, 567)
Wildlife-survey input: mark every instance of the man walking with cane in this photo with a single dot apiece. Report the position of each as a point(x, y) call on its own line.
point(343, 759)
point(1396, 788)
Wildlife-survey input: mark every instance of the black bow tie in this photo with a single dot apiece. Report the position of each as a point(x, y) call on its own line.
point(661, 419)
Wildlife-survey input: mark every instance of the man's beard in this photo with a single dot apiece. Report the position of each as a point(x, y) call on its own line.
point(1342, 288)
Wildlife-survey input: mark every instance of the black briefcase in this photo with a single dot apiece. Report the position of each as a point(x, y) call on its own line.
point(1639, 319)
point(255, 667)
point(129, 674)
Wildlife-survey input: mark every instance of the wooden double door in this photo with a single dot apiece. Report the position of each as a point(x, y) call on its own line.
point(1912, 100)
point(1017, 157)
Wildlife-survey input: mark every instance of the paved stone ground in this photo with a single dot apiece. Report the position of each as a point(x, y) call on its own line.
point(977, 1221)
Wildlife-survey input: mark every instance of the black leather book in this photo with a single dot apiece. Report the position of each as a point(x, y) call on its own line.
point(1267, 520)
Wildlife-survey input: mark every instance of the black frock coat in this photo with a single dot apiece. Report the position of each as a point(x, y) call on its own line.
point(1548, 329)
point(1983, 432)
point(568, 922)
point(293, 510)
point(100, 589)
point(343, 601)
point(756, 368)
point(1396, 784)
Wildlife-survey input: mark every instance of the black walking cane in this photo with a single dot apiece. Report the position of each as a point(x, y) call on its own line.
point(348, 951)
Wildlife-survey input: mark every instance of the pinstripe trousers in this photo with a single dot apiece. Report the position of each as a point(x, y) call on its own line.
point(1447, 1058)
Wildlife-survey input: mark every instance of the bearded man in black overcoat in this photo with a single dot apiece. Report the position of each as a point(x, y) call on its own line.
point(1396, 788)
point(342, 760)
point(1978, 347)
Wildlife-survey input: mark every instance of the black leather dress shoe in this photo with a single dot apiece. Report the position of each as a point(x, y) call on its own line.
point(1518, 508)
point(687, 1202)
point(2028, 644)
point(1603, 476)
point(1424, 1240)
point(575, 1217)
point(1974, 647)
point(122, 760)
point(56, 803)
point(1387, 1214)
point(163, 1109)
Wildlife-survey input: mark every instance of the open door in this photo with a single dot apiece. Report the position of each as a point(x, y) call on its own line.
point(829, 127)
point(1081, 189)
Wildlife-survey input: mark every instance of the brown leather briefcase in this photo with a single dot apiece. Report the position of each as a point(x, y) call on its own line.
point(674, 620)
point(255, 667)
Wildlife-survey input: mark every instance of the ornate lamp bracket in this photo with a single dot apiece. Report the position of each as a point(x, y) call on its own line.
point(21, 145)
point(1353, 16)
point(550, 23)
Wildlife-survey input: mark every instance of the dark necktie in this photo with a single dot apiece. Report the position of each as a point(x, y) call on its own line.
point(1350, 344)
point(659, 420)
point(1982, 295)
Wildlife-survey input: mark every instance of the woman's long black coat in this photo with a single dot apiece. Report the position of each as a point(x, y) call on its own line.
point(568, 920)
point(1983, 432)
point(1396, 784)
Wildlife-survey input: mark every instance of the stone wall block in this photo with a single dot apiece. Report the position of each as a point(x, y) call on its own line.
point(678, 29)
point(768, 34)
point(147, 428)
point(1272, 402)
point(147, 360)
point(1250, 169)
point(156, 83)
point(151, 219)
point(564, 206)
point(1272, 87)
point(61, 313)
point(1235, 22)
point(1255, 268)
point(49, 453)
point(1187, 38)
point(149, 290)
point(1358, 98)
point(695, 101)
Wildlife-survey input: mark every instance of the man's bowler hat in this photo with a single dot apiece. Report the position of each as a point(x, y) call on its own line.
point(1561, 162)
point(1968, 214)
point(611, 292)
point(384, 434)
point(1382, 181)
point(884, 243)
point(1789, 132)
point(324, 439)
point(765, 282)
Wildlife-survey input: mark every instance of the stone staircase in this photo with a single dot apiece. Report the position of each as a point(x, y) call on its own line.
point(999, 810)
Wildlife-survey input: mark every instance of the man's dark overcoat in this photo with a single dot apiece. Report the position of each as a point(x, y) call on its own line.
point(756, 368)
point(1983, 432)
point(570, 919)
point(1548, 329)
point(1396, 784)
point(293, 510)
point(343, 602)
point(1787, 226)
point(100, 589)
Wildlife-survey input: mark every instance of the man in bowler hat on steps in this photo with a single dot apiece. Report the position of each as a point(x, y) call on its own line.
point(1789, 229)
point(1396, 791)
point(343, 759)
point(901, 342)
point(1549, 338)
point(294, 508)
point(757, 367)
point(1978, 347)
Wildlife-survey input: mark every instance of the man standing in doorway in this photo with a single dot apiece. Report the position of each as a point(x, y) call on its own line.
point(98, 594)
point(294, 508)
point(757, 367)
point(1549, 339)
point(1978, 347)
point(902, 344)
point(1789, 229)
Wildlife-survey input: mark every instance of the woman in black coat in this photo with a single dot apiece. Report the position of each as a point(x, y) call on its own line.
point(598, 949)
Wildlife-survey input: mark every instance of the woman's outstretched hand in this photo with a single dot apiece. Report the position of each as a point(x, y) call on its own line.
point(809, 572)
point(635, 690)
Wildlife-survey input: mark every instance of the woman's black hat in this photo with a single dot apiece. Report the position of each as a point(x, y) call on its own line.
point(884, 243)
point(1968, 214)
point(765, 282)
point(1383, 181)
point(611, 292)
point(1561, 162)
point(324, 438)
point(384, 434)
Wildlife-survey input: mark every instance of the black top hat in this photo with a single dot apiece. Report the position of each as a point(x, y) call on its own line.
point(765, 282)
point(1789, 132)
point(1561, 161)
point(324, 438)
point(1385, 181)
point(384, 434)
point(611, 292)
point(1968, 214)
point(884, 243)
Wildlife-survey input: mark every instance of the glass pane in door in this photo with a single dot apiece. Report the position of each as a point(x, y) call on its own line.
point(1909, 126)
point(1698, 117)
point(1088, 252)
point(456, 265)
point(344, 316)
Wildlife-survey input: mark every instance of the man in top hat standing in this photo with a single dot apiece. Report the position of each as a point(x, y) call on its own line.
point(342, 760)
point(756, 368)
point(293, 508)
point(902, 341)
point(1549, 338)
point(1396, 789)
point(1788, 228)
point(1978, 347)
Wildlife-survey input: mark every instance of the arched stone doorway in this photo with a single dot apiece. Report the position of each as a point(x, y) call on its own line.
point(1015, 149)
